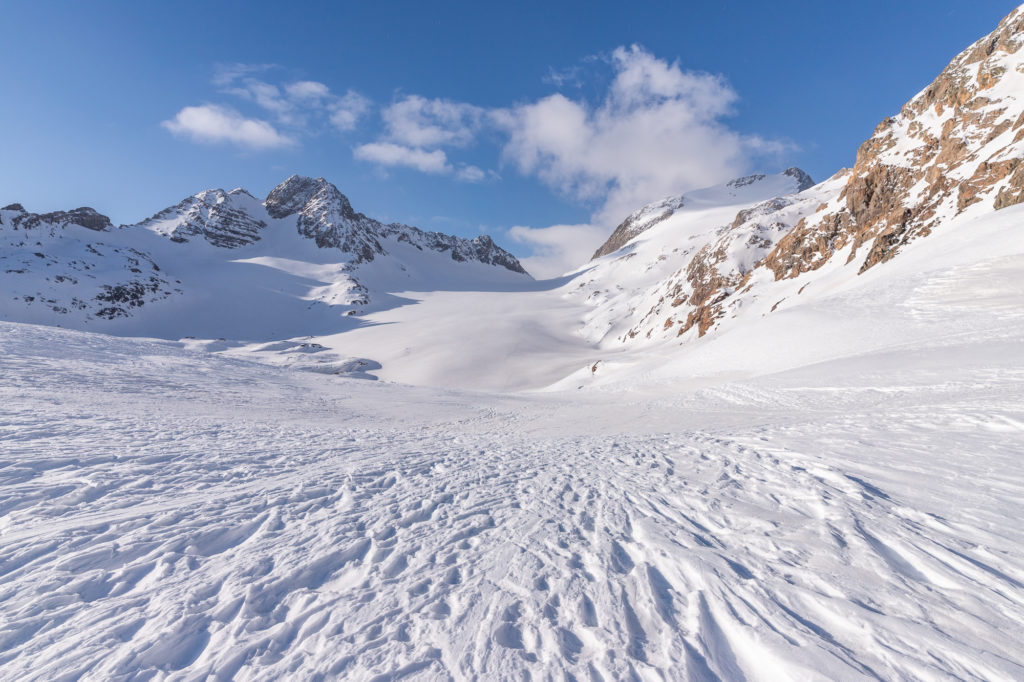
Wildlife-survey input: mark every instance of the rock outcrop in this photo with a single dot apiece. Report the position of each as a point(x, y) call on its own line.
point(326, 216)
point(647, 217)
point(84, 217)
point(223, 219)
point(955, 147)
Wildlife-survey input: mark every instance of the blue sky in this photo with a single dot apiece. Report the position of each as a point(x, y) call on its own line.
point(459, 117)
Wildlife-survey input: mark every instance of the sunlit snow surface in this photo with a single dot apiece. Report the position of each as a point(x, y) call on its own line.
point(173, 514)
point(829, 490)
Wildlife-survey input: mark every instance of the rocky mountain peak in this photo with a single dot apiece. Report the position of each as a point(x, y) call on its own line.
point(84, 217)
point(298, 191)
point(957, 147)
point(803, 180)
point(223, 219)
point(756, 187)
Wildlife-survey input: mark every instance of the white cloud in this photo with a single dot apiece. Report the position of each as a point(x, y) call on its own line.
point(658, 131)
point(345, 111)
point(561, 77)
point(211, 123)
point(471, 174)
point(301, 107)
point(559, 248)
point(267, 96)
point(225, 74)
point(419, 122)
point(415, 129)
point(307, 90)
point(390, 154)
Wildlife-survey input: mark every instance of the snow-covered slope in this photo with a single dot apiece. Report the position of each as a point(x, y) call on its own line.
point(176, 515)
point(223, 264)
point(734, 192)
point(953, 154)
point(735, 223)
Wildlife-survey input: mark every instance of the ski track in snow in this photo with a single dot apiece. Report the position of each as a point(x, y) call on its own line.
point(169, 515)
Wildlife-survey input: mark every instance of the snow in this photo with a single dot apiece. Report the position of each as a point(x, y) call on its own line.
point(172, 513)
point(275, 283)
point(830, 491)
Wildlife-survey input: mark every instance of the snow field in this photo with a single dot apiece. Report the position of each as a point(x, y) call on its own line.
point(175, 515)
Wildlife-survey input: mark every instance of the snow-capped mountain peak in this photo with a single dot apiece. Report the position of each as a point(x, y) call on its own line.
point(296, 192)
point(223, 262)
point(745, 189)
point(86, 217)
point(224, 219)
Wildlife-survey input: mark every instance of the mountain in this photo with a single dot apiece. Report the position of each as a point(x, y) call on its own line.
point(953, 153)
point(765, 273)
point(647, 217)
point(763, 256)
point(694, 242)
point(226, 264)
point(954, 150)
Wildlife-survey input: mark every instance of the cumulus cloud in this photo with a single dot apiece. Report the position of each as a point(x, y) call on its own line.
point(390, 154)
point(658, 131)
point(345, 111)
point(210, 123)
point(298, 107)
point(559, 248)
point(471, 173)
point(420, 122)
point(415, 130)
point(307, 90)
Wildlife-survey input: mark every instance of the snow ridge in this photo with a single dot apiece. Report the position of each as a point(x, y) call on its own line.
point(304, 252)
point(224, 219)
point(650, 215)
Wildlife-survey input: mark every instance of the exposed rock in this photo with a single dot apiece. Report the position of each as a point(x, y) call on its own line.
point(950, 148)
point(292, 195)
point(803, 180)
point(222, 218)
point(639, 222)
point(326, 216)
point(722, 265)
point(83, 217)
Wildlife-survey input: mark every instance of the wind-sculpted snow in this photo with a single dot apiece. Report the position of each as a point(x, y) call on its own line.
point(182, 515)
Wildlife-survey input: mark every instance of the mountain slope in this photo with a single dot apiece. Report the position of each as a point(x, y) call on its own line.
point(647, 217)
point(224, 264)
point(737, 221)
point(955, 149)
point(953, 153)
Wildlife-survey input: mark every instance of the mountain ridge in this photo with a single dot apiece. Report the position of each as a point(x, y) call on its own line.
point(954, 151)
point(90, 270)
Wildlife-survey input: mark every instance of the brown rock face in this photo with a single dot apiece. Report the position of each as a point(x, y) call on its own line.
point(723, 266)
point(950, 148)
